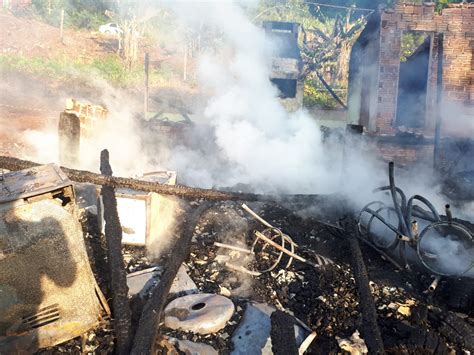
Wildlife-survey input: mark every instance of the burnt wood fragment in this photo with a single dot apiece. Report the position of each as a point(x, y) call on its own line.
point(119, 288)
point(283, 334)
point(181, 191)
point(370, 329)
point(83, 176)
point(148, 327)
point(453, 328)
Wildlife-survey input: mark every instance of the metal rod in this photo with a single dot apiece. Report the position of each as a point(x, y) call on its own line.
point(227, 246)
point(449, 215)
point(381, 252)
point(331, 91)
point(241, 269)
point(434, 284)
point(256, 216)
point(306, 343)
point(287, 252)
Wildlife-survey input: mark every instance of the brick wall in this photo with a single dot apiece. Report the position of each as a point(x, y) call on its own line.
point(457, 25)
point(405, 154)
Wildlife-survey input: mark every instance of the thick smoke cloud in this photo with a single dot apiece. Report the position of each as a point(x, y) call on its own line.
point(255, 140)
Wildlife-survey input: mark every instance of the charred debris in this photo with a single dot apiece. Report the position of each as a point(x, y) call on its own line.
point(96, 263)
point(238, 274)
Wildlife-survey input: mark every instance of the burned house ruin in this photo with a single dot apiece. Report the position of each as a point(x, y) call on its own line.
point(112, 259)
point(418, 107)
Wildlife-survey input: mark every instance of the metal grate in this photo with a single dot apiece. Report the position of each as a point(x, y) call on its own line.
point(43, 317)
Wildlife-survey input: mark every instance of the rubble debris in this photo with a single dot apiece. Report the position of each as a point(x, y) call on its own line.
point(418, 248)
point(241, 269)
point(324, 298)
point(200, 313)
point(153, 214)
point(283, 339)
point(69, 133)
point(354, 345)
point(143, 282)
point(113, 236)
point(191, 348)
point(322, 261)
point(306, 343)
point(48, 293)
point(148, 327)
point(454, 328)
point(232, 247)
point(371, 329)
point(274, 233)
point(77, 124)
point(252, 335)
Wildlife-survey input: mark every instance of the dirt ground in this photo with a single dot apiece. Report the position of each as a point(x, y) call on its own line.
point(33, 102)
point(33, 38)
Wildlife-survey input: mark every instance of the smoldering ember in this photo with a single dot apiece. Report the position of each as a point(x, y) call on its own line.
point(237, 177)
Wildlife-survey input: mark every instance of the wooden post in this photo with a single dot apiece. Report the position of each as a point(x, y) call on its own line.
point(61, 26)
point(185, 62)
point(147, 65)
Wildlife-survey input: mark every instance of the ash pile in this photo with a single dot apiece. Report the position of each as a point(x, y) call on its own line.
point(117, 265)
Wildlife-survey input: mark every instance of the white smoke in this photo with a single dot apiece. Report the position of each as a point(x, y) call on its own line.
point(257, 142)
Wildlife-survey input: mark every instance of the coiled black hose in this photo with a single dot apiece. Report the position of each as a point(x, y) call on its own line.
point(406, 232)
point(393, 191)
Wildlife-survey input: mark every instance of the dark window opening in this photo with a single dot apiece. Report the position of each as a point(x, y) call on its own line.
point(286, 87)
point(413, 79)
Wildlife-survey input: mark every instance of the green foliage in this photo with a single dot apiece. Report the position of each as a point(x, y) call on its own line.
point(441, 4)
point(288, 11)
point(411, 40)
point(33, 65)
point(88, 14)
point(315, 95)
point(367, 4)
point(109, 69)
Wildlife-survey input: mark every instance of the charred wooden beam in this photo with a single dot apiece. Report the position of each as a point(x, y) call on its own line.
point(83, 176)
point(453, 328)
point(181, 191)
point(283, 334)
point(119, 288)
point(371, 331)
point(148, 327)
point(331, 91)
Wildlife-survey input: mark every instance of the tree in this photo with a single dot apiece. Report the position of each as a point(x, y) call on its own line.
point(79, 13)
point(131, 18)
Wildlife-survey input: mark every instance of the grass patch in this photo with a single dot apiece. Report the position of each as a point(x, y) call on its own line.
point(108, 68)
